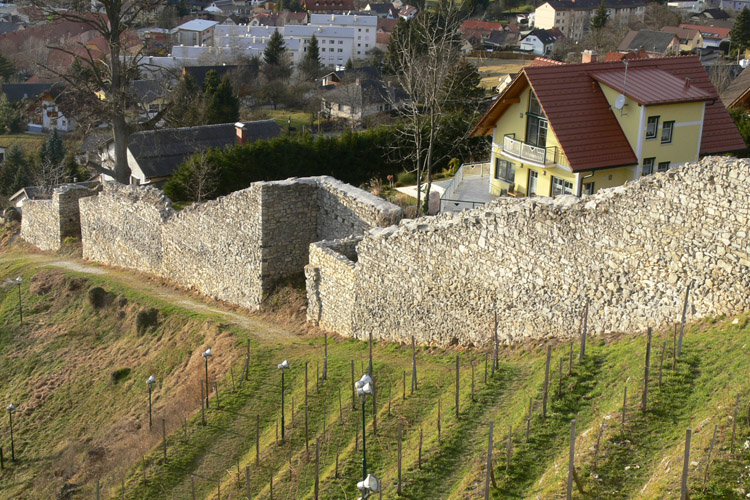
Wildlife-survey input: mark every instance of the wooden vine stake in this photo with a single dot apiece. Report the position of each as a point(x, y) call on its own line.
point(496, 360)
point(583, 331)
point(457, 385)
point(509, 449)
point(684, 317)
point(644, 397)
point(661, 360)
point(685, 465)
point(734, 423)
point(489, 464)
point(708, 459)
point(419, 455)
point(413, 364)
point(546, 382)
point(571, 460)
point(399, 456)
point(624, 403)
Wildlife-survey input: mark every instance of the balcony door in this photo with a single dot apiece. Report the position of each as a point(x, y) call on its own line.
point(533, 178)
point(536, 131)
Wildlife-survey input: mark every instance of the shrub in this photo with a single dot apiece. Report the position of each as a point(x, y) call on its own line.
point(406, 179)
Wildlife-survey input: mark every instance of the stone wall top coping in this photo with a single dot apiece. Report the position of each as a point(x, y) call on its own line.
point(560, 205)
point(358, 194)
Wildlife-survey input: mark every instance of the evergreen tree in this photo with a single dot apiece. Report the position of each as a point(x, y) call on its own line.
point(10, 119)
point(310, 65)
point(741, 30)
point(222, 106)
point(53, 150)
point(275, 50)
point(211, 82)
point(7, 69)
point(349, 64)
point(185, 108)
point(15, 162)
point(600, 18)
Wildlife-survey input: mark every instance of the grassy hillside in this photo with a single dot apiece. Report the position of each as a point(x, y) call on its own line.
point(77, 369)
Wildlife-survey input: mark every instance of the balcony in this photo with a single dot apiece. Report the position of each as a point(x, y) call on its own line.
point(537, 155)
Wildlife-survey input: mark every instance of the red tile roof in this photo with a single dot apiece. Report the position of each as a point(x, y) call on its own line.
point(649, 86)
point(713, 32)
point(472, 24)
point(619, 56)
point(583, 122)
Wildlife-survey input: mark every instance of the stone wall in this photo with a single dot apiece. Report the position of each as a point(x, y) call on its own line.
point(630, 251)
point(331, 273)
point(123, 226)
point(46, 223)
point(233, 248)
point(216, 248)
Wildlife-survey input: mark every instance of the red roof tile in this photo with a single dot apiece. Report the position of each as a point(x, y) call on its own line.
point(472, 24)
point(648, 86)
point(714, 32)
point(583, 122)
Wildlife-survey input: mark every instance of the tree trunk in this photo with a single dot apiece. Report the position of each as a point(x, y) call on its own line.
point(120, 132)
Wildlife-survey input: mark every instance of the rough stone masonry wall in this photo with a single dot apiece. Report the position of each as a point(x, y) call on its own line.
point(215, 248)
point(46, 223)
point(630, 251)
point(233, 248)
point(331, 273)
point(345, 209)
point(123, 226)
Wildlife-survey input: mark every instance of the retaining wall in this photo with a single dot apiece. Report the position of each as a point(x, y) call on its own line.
point(46, 223)
point(233, 248)
point(630, 251)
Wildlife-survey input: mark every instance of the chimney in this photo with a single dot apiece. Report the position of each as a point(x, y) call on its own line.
point(589, 56)
point(357, 81)
point(241, 132)
point(687, 82)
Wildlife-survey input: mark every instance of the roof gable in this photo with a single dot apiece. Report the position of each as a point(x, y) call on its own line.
point(583, 122)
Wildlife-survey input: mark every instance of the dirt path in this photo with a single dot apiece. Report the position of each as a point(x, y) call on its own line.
point(173, 296)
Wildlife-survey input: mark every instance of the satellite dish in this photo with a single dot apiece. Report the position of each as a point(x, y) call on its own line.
point(620, 101)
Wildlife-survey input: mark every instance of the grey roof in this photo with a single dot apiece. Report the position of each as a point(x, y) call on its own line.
point(8, 27)
point(19, 91)
point(94, 140)
point(369, 72)
point(544, 36)
point(147, 90)
point(502, 39)
point(160, 152)
point(381, 8)
point(364, 93)
point(650, 41)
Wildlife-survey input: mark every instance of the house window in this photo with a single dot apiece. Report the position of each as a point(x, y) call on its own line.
point(588, 188)
point(648, 166)
point(561, 186)
point(534, 107)
point(341, 50)
point(666, 132)
point(663, 166)
point(505, 171)
point(652, 127)
point(536, 131)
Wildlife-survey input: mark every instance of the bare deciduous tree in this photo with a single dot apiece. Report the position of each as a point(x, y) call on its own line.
point(203, 178)
point(425, 57)
point(111, 75)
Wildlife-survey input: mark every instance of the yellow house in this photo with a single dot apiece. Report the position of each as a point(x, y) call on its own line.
point(577, 128)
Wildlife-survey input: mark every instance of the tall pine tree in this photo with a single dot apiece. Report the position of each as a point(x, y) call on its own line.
point(310, 64)
point(600, 18)
point(275, 50)
point(741, 30)
point(53, 150)
point(222, 106)
point(14, 172)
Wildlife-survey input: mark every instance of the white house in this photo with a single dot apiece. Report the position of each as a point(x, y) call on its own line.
point(198, 32)
point(539, 42)
point(366, 27)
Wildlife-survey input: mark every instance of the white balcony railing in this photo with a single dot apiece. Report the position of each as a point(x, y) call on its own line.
point(525, 151)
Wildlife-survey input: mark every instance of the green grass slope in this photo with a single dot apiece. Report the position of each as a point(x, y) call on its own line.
point(78, 374)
